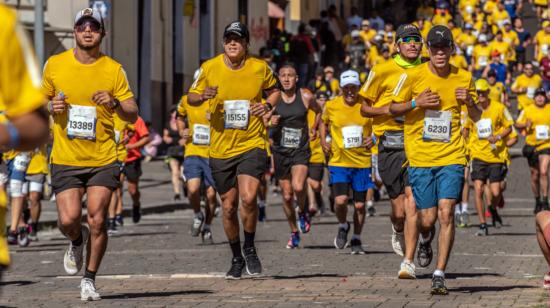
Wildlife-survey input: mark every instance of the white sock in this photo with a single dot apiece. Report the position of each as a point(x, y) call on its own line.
point(406, 261)
point(370, 203)
point(464, 207)
point(439, 273)
point(458, 209)
point(355, 237)
point(343, 226)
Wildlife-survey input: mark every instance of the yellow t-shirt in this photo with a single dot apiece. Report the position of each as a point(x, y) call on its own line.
point(497, 118)
point(78, 82)
point(496, 91)
point(506, 154)
point(481, 56)
point(511, 37)
point(531, 84)
point(439, 19)
point(348, 129)
point(39, 162)
point(489, 7)
point(121, 127)
point(317, 154)
point(367, 36)
point(540, 119)
point(542, 42)
point(467, 42)
point(245, 85)
point(383, 81)
point(199, 128)
point(498, 17)
point(459, 61)
point(334, 86)
point(504, 48)
point(435, 153)
point(19, 89)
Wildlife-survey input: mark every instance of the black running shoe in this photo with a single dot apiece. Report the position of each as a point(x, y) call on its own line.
point(253, 265)
point(341, 239)
point(495, 217)
point(236, 270)
point(261, 214)
point(438, 286)
point(136, 214)
point(23, 240)
point(119, 220)
point(425, 253)
point(538, 207)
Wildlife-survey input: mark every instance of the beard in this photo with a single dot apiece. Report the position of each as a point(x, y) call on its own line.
point(88, 47)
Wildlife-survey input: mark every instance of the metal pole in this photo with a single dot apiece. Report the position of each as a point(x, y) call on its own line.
point(39, 31)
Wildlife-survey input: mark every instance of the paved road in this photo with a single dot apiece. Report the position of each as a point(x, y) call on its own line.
point(157, 263)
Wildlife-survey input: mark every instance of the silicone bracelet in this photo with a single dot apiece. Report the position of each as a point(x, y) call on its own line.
point(413, 103)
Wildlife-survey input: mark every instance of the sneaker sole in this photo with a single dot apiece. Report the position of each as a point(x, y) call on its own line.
point(232, 278)
point(440, 291)
point(358, 253)
point(250, 274)
point(405, 275)
point(336, 245)
point(89, 299)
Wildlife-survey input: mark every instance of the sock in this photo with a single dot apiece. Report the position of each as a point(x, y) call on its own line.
point(248, 239)
point(407, 261)
point(78, 241)
point(319, 200)
point(34, 226)
point(439, 273)
point(261, 203)
point(458, 209)
point(236, 248)
point(206, 227)
point(356, 237)
point(544, 200)
point(483, 226)
point(537, 200)
point(370, 203)
point(464, 207)
point(112, 221)
point(89, 274)
point(343, 226)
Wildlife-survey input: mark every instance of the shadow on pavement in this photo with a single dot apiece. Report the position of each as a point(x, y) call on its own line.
point(476, 289)
point(122, 234)
point(307, 276)
point(515, 234)
point(16, 283)
point(154, 294)
point(40, 249)
point(459, 275)
point(227, 243)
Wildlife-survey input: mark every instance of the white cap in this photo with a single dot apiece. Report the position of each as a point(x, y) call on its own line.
point(355, 33)
point(349, 77)
point(89, 13)
point(482, 38)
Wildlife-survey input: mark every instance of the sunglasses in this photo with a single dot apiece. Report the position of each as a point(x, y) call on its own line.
point(94, 27)
point(410, 40)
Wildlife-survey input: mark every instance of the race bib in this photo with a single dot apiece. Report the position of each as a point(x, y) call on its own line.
point(236, 114)
point(531, 92)
point(437, 126)
point(290, 137)
point(469, 50)
point(117, 136)
point(482, 61)
point(544, 49)
point(21, 161)
point(201, 134)
point(541, 132)
point(353, 136)
point(82, 122)
point(484, 128)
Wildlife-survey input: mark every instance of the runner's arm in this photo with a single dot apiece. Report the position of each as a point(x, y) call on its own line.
point(127, 110)
point(504, 133)
point(368, 111)
point(32, 130)
point(397, 109)
point(180, 121)
point(140, 143)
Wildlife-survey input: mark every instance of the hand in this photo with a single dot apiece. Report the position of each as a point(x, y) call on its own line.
point(258, 109)
point(182, 142)
point(326, 146)
point(184, 137)
point(463, 96)
point(427, 99)
point(209, 92)
point(368, 142)
point(492, 139)
point(275, 120)
point(313, 134)
point(522, 90)
point(103, 98)
point(528, 124)
point(58, 104)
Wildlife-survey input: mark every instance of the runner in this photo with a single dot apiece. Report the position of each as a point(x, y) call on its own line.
point(34, 186)
point(434, 145)
point(535, 119)
point(350, 158)
point(383, 83)
point(174, 155)
point(17, 163)
point(525, 85)
point(24, 124)
point(84, 150)
point(316, 168)
point(194, 128)
point(232, 83)
point(291, 152)
point(542, 221)
point(486, 143)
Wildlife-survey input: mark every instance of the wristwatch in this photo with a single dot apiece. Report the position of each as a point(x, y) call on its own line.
point(116, 105)
point(269, 107)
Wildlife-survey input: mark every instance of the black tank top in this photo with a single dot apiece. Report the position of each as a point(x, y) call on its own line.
point(292, 131)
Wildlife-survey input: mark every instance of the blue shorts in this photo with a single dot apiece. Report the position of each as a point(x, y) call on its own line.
point(13, 173)
point(197, 167)
point(431, 184)
point(359, 178)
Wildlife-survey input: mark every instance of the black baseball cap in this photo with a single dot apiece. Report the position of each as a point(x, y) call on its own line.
point(407, 30)
point(540, 91)
point(440, 36)
point(321, 94)
point(238, 29)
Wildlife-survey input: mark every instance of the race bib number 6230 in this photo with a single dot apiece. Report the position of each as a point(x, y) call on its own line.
point(437, 126)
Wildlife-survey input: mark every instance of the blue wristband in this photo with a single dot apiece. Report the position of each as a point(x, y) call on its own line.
point(373, 139)
point(14, 136)
point(413, 103)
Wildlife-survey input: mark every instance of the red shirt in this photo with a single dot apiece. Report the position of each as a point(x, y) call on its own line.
point(140, 131)
point(545, 68)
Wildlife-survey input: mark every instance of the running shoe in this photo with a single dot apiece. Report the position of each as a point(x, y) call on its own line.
point(341, 239)
point(425, 253)
point(546, 282)
point(438, 286)
point(72, 260)
point(545, 206)
point(312, 211)
point(253, 264)
point(458, 220)
point(397, 241)
point(88, 291)
point(483, 230)
point(119, 220)
point(111, 228)
point(12, 237)
point(465, 219)
point(538, 207)
point(207, 237)
point(495, 217)
point(236, 270)
point(304, 223)
point(197, 224)
point(371, 211)
point(407, 271)
point(356, 247)
point(176, 198)
point(23, 239)
point(33, 234)
point(261, 213)
point(294, 241)
point(136, 214)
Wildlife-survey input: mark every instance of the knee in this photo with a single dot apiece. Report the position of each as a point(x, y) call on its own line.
point(97, 223)
point(544, 173)
point(248, 201)
point(315, 186)
point(341, 200)
point(298, 188)
point(360, 206)
point(287, 197)
point(192, 191)
point(133, 189)
point(445, 217)
point(66, 224)
point(229, 211)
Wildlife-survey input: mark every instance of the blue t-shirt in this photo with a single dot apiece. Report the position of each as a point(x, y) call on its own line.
point(523, 36)
point(500, 69)
point(510, 6)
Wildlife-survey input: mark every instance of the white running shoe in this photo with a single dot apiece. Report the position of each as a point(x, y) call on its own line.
point(397, 241)
point(73, 259)
point(88, 291)
point(407, 271)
